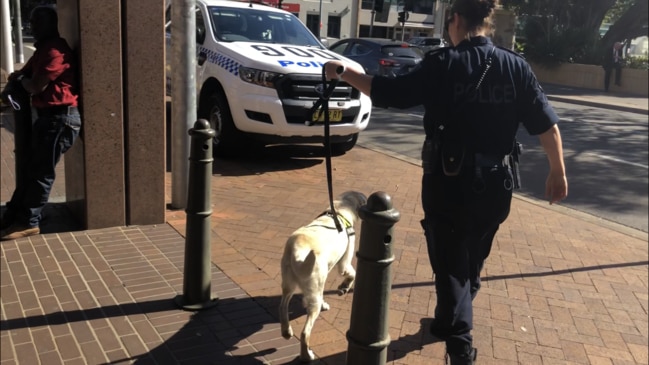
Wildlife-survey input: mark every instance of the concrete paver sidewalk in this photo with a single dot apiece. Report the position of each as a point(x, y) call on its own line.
point(558, 288)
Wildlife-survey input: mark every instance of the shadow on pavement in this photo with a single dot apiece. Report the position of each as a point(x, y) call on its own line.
point(270, 159)
point(56, 218)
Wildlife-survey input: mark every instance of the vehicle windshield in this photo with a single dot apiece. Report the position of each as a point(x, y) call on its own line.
point(400, 51)
point(252, 25)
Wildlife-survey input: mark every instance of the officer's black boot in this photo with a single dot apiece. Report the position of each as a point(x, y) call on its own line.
point(468, 357)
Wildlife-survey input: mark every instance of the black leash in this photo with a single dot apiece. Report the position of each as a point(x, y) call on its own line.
point(325, 92)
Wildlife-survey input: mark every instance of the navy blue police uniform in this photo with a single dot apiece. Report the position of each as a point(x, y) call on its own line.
point(477, 127)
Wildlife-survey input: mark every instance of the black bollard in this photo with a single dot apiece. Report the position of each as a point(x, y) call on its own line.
point(197, 287)
point(368, 336)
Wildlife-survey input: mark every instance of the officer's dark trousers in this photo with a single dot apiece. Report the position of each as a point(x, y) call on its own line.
point(461, 218)
point(52, 136)
point(617, 68)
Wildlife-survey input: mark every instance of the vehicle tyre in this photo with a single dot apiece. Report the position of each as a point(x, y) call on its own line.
point(227, 139)
point(341, 147)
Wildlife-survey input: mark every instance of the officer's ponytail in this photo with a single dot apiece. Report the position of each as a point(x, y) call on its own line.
point(478, 13)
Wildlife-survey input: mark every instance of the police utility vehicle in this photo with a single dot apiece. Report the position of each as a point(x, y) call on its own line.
point(258, 73)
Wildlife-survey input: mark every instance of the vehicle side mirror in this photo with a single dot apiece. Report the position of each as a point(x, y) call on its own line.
point(200, 35)
point(202, 57)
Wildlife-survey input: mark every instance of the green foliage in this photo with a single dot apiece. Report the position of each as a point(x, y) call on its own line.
point(641, 62)
point(616, 12)
point(551, 44)
point(558, 31)
point(519, 47)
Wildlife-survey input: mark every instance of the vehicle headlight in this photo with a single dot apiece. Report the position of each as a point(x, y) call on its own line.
point(258, 77)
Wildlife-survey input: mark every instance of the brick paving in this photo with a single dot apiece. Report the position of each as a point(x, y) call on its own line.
point(560, 287)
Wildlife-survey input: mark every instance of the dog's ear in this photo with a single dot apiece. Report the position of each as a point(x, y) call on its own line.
point(362, 199)
point(359, 199)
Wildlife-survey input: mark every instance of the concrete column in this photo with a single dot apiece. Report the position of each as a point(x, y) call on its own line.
point(7, 59)
point(100, 30)
point(144, 102)
point(115, 173)
point(75, 181)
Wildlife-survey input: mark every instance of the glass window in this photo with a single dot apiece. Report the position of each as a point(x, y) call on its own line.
point(400, 51)
point(200, 24)
point(313, 23)
point(333, 26)
point(252, 25)
point(359, 50)
point(200, 27)
point(340, 48)
point(421, 6)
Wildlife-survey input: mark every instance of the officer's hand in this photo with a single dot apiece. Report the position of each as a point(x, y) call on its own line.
point(331, 68)
point(556, 187)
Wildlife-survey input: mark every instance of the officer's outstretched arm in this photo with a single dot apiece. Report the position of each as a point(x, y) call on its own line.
point(556, 185)
point(354, 77)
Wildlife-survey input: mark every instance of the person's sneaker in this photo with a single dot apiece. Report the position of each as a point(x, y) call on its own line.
point(15, 231)
point(462, 359)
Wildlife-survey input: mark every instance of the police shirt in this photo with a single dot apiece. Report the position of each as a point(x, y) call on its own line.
point(488, 118)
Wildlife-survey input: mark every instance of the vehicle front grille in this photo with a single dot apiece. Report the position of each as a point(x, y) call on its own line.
point(303, 87)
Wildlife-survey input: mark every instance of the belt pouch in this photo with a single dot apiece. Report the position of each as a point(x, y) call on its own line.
point(452, 158)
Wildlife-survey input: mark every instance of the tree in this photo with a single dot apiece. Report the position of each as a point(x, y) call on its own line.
point(631, 24)
point(620, 7)
point(568, 30)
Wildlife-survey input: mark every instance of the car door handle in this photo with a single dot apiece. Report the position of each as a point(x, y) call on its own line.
point(202, 57)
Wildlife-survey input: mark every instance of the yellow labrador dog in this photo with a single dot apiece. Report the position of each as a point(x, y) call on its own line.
point(310, 253)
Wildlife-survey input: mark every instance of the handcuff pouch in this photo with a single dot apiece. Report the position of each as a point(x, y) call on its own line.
point(452, 155)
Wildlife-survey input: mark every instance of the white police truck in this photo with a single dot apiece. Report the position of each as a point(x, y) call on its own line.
point(258, 74)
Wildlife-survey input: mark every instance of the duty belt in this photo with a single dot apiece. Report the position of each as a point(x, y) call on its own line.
point(489, 160)
point(484, 160)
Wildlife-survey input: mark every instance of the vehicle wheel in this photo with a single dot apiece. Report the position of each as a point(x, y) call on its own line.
point(341, 147)
point(227, 139)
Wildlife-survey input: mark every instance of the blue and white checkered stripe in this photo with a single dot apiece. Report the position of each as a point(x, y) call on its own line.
point(223, 61)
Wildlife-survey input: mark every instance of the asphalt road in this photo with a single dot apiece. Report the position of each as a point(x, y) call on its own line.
point(605, 152)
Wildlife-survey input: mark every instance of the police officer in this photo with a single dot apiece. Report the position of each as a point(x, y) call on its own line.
point(475, 95)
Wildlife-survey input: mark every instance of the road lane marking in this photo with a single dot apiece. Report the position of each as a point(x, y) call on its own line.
point(604, 157)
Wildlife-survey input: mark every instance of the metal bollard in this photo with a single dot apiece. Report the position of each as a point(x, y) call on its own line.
point(197, 287)
point(368, 336)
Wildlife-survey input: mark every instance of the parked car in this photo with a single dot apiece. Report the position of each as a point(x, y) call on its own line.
point(257, 74)
point(428, 43)
point(380, 56)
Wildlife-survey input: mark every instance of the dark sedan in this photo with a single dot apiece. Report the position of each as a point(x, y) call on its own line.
point(380, 56)
point(428, 43)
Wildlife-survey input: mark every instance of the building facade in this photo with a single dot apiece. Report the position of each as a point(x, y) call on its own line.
point(380, 18)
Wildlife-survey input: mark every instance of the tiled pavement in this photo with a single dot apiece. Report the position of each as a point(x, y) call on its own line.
point(559, 287)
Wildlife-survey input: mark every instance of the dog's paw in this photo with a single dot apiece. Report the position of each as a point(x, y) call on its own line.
point(288, 333)
point(344, 288)
point(308, 356)
point(325, 306)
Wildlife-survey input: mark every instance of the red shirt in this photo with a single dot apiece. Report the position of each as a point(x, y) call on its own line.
point(54, 58)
